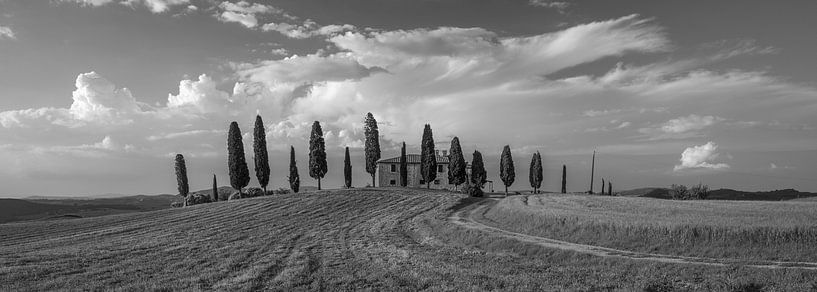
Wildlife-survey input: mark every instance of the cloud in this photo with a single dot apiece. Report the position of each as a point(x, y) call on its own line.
point(307, 29)
point(7, 33)
point(689, 123)
point(244, 12)
point(700, 157)
point(560, 5)
point(155, 6)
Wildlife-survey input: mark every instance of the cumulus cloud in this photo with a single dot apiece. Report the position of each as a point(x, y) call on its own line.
point(560, 5)
point(7, 33)
point(155, 6)
point(700, 157)
point(244, 12)
point(307, 29)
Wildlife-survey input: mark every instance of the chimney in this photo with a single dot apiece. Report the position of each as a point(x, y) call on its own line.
point(445, 152)
point(437, 152)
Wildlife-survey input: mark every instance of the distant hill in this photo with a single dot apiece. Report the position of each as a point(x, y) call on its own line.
point(65, 208)
point(725, 194)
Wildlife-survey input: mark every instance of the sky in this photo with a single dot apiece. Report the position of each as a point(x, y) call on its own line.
point(97, 96)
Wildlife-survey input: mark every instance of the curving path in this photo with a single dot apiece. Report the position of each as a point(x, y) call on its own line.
point(464, 217)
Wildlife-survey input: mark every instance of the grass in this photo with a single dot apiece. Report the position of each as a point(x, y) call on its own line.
point(361, 239)
point(754, 230)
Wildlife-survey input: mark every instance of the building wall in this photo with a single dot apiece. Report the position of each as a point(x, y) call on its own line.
point(385, 176)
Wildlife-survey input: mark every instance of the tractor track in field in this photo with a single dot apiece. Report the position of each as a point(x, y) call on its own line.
point(465, 218)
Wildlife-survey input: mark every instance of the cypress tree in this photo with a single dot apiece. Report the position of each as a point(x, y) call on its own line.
point(259, 145)
point(403, 167)
point(564, 178)
point(535, 173)
point(317, 153)
point(294, 178)
point(456, 164)
point(372, 147)
point(478, 175)
point(602, 187)
point(215, 189)
point(506, 168)
point(347, 170)
point(609, 188)
point(428, 159)
point(181, 176)
point(239, 173)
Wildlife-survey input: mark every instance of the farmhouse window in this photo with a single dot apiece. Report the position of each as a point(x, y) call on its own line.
point(436, 181)
point(392, 182)
point(422, 181)
point(439, 168)
point(394, 168)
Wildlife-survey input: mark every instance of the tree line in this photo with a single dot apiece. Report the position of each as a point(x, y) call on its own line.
point(239, 174)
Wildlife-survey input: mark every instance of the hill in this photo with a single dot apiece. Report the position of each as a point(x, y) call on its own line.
point(725, 194)
point(383, 239)
point(68, 208)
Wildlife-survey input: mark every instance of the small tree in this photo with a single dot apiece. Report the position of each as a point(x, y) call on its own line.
point(428, 158)
point(317, 153)
point(403, 167)
point(699, 191)
point(215, 189)
point(609, 188)
point(506, 168)
point(478, 174)
point(678, 192)
point(535, 174)
point(602, 187)
point(564, 178)
point(456, 164)
point(181, 176)
point(372, 147)
point(259, 145)
point(347, 170)
point(239, 173)
point(294, 178)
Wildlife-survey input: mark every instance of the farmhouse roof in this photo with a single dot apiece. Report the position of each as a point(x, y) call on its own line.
point(412, 159)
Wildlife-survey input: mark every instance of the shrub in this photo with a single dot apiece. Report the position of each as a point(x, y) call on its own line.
point(472, 190)
point(234, 196)
point(699, 191)
point(253, 192)
point(195, 199)
point(281, 191)
point(678, 192)
point(176, 205)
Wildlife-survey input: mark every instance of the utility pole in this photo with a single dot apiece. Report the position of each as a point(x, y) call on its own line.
point(592, 171)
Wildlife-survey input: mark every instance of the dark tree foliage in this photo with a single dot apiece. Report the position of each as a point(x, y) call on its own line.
point(181, 176)
point(428, 159)
point(609, 188)
point(372, 147)
point(506, 168)
point(317, 153)
point(564, 178)
point(259, 146)
point(347, 170)
point(403, 167)
point(215, 189)
point(239, 173)
point(478, 174)
point(456, 164)
point(294, 178)
point(602, 187)
point(535, 174)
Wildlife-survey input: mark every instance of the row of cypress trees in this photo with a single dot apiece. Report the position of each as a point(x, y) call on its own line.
point(240, 178)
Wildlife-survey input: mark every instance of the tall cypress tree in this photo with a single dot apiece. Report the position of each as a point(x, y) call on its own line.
point(372, 147)
point(428, 158)
point(609, 188)
point(347, 170)
point(181, 176)
point(317, 153)
point(535, 173)
point(456, 164)
point(259, 145)
point(239, 173)
point(294, 178)
point(215, 189)
point(478, 174)
point(564, 178)
point(602, 186)
point(506, 168)
point(403, 167)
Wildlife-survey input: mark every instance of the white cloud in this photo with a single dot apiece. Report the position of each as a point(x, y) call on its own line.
point(244, 12)
point(307, 29)
point(201, 95)
point(560, 5)
point(155, 6)
point(700, 157)
point(7, 33)
point(689, 123)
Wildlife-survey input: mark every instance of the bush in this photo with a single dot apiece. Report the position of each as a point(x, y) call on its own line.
point(253, 192)
point(235, 195)
point(281, 191)
point(472, 190)
point(678, 192)
point(699, 191)
point(195, 199)
point(176, 205)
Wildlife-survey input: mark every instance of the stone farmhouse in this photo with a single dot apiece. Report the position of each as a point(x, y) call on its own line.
point(388, 171)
